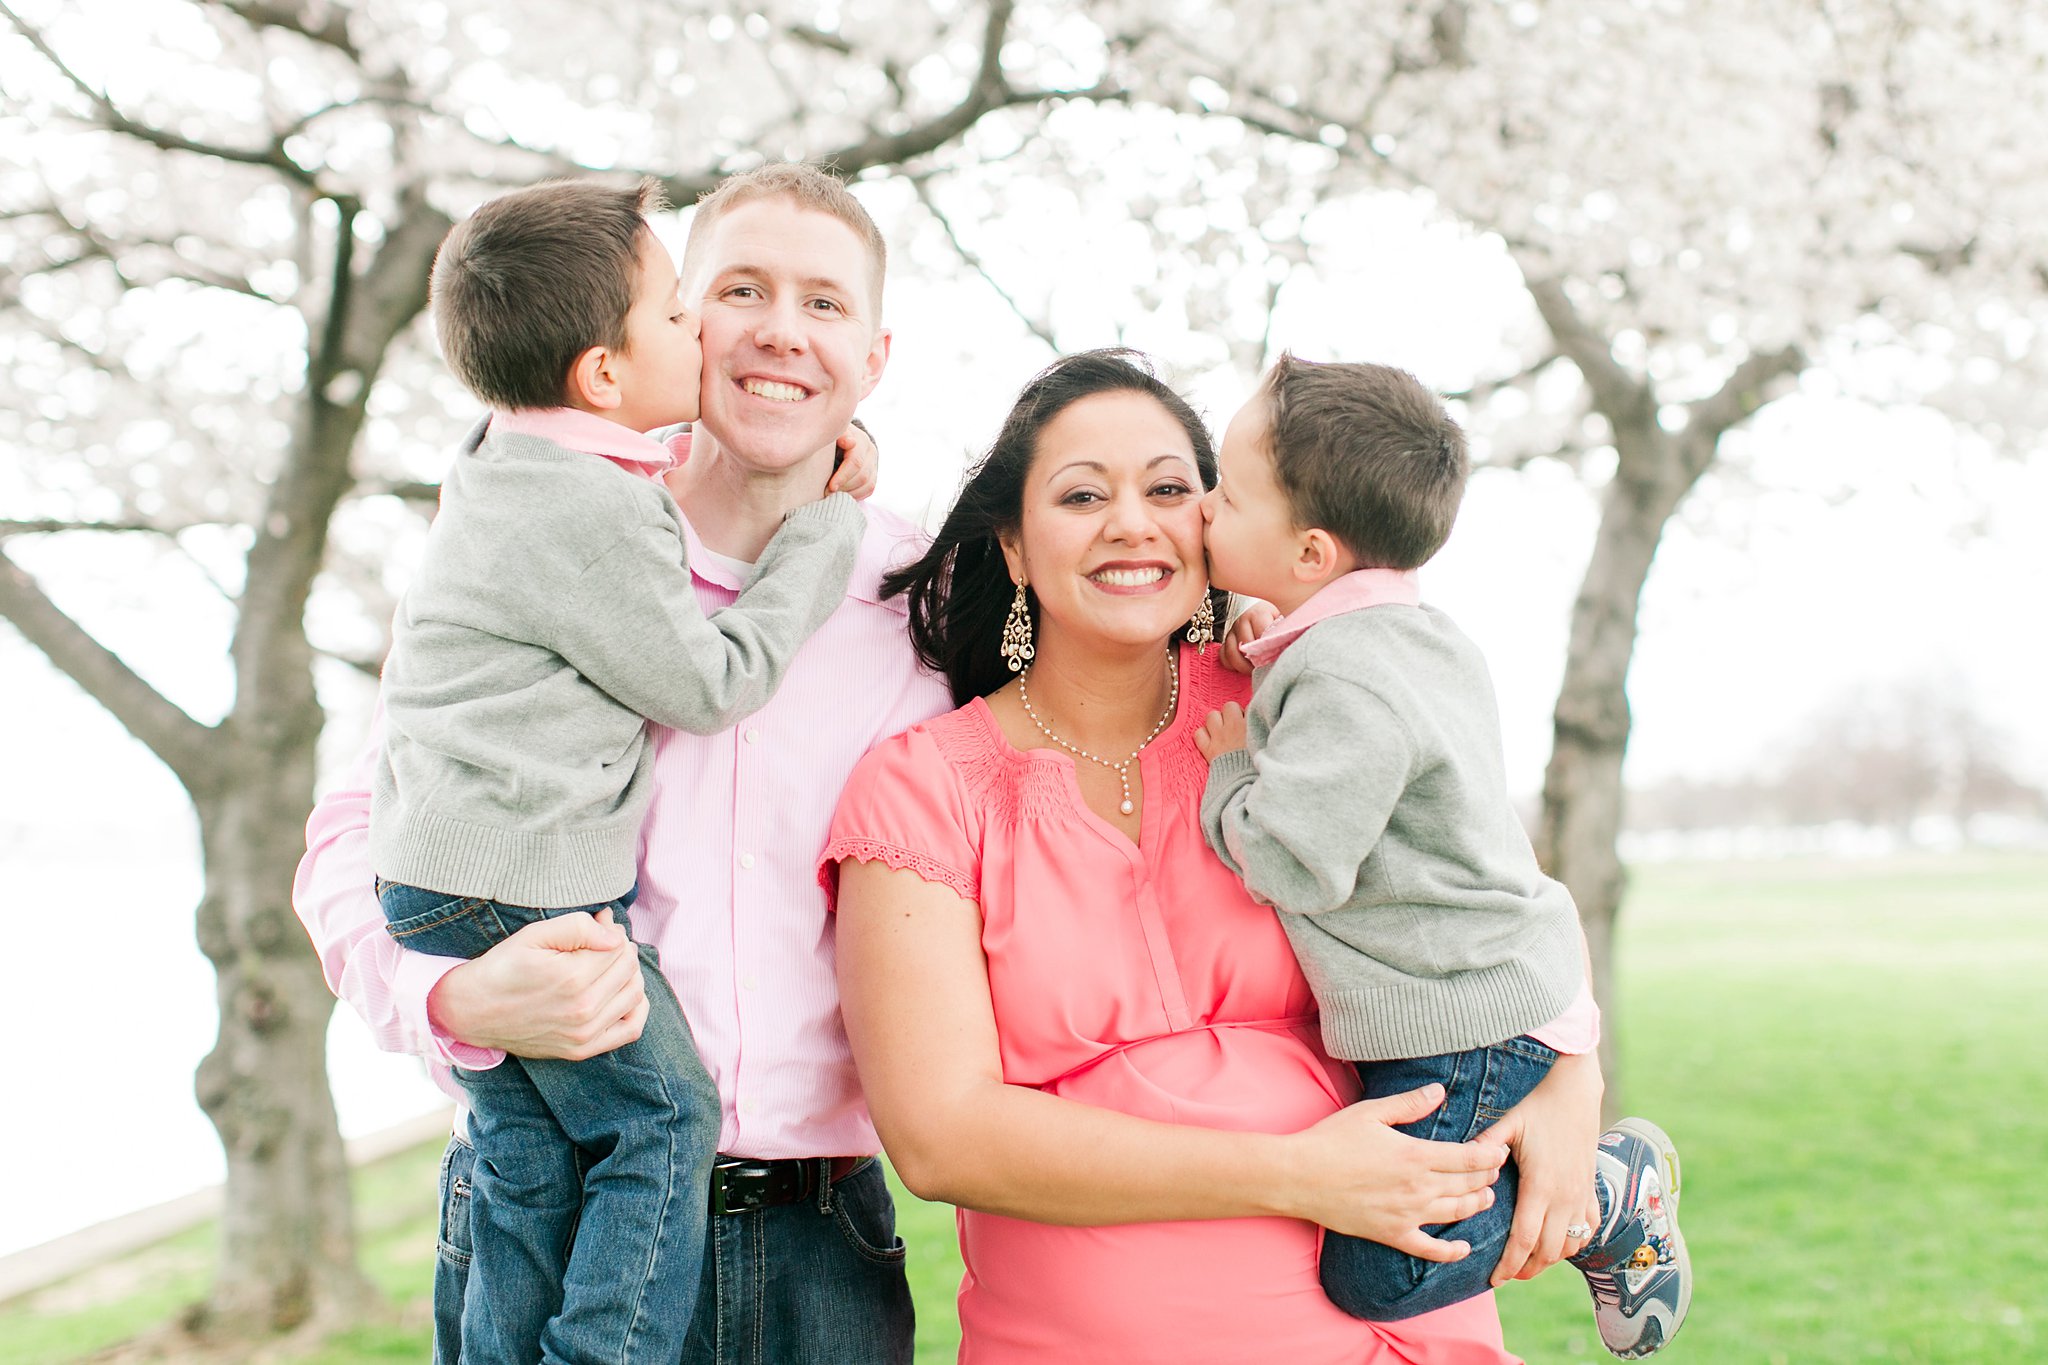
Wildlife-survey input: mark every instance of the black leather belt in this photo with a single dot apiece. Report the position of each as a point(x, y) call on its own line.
point(742, 1184)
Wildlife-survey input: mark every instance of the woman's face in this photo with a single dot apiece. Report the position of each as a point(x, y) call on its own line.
point(1111, 535)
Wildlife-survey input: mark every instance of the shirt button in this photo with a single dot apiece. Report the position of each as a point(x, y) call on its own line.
point(753, 735)
point(749, 983)
point(746, 860)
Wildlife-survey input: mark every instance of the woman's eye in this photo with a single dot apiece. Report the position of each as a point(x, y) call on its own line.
point(1081, 497)
point(1173, 489)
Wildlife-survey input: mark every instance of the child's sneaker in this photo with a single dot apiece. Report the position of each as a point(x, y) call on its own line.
point(1636, 1264)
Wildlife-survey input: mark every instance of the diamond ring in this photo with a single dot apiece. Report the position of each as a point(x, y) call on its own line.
point(1578, 1231)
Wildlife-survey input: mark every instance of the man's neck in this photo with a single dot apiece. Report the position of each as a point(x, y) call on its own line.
point(736, 510)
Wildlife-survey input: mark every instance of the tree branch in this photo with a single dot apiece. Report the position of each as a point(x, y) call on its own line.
point(1040, 329)
point(327, 24)
point(1616, 392)
point(1744, 391)
point(111, 117)
point(173, 736)
point(990, 91)
point(42, 526)
point(1487, 388)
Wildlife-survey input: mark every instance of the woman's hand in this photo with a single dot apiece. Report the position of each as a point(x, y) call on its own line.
point(1552, 1134)
point(1356, 1175)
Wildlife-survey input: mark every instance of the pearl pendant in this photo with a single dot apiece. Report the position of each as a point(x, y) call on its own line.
point(1127, 807)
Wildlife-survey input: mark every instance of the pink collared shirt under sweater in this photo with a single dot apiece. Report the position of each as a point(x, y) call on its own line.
point(1578, 1028)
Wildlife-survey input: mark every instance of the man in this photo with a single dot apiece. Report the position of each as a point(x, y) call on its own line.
point(802, 1263)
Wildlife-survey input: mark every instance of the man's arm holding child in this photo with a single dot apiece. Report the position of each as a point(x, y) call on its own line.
point(565, 987)
point(1298, 825)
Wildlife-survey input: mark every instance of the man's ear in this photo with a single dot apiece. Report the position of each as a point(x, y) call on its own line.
point(877, 361)
point(592, 386)
point(1320, 558)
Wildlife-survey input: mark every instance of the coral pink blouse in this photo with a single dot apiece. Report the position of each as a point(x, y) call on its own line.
point(1141, 978)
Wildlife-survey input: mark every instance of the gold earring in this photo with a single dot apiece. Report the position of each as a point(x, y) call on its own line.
point(1016, 648)
point(1202, 629)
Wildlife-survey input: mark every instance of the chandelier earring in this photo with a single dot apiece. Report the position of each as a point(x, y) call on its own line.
point(1202, 629)
point(1016, 647)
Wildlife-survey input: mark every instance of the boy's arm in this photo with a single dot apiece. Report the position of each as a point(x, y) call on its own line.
point(1298, 823)
point(634, 628)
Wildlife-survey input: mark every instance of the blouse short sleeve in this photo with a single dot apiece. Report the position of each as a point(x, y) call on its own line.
point(904, 806)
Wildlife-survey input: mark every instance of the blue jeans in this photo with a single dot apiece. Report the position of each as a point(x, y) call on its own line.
point(1376, 1282)
point(587, 1188)
point(814, 1283)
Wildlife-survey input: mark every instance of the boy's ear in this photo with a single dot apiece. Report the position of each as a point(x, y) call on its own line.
point(592, 386)
point(1320, 558)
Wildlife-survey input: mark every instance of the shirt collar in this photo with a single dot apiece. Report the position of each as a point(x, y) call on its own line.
point(574, 429)
point(888, 542)
point(1354, 591)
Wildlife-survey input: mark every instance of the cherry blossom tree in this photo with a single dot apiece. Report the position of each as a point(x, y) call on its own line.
point(1705, 202)
point(216, 223)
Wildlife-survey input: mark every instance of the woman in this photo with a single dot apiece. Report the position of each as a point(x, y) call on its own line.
point(1070, 1019)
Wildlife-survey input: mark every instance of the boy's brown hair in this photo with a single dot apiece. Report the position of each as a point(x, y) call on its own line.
point(535, 278)
point(811, 188)
point(1368, 454)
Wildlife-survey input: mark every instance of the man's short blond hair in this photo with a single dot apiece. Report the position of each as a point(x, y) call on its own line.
point(809, 187)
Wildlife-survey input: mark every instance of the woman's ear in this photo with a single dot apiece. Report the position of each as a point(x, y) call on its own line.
point(1013, 556)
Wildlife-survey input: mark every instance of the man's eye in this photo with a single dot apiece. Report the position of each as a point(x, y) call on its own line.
point(826, 305)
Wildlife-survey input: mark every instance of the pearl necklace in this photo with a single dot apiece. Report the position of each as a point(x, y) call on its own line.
point(1123, 769)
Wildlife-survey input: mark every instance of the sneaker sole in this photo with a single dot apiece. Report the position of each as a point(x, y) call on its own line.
point(1668, 1168)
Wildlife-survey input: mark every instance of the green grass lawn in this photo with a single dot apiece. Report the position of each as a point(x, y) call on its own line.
point(1849, 1055)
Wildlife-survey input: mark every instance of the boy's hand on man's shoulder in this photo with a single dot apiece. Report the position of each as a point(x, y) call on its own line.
point(858, 462)
point(1222, 732)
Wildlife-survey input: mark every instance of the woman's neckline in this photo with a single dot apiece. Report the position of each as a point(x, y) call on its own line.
point(1183, 654)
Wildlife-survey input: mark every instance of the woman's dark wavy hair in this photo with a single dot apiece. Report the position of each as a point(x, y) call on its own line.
point(960, 591)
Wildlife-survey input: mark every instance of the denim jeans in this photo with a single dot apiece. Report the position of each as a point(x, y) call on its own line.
point(1376, 1282)
point(587, 1188)
point(814, 1283)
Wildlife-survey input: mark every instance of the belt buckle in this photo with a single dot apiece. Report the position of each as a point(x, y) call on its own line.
point(742, 1186)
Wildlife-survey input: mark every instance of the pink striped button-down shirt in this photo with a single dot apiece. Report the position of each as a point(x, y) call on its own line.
point(728, 875)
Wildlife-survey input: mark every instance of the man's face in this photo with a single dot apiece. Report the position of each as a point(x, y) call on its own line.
point(791, 340)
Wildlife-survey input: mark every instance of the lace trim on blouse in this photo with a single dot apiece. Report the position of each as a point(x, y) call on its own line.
point(896, 858)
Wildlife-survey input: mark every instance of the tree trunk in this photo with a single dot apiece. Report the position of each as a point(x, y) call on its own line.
point(1582, 789)
point(287, 1248)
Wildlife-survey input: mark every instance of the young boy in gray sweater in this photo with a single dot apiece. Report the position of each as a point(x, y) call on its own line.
point(552, 616)
point(1363, 796)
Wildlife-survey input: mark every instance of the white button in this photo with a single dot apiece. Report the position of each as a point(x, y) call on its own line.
point(746, 860)
point(753, 735)
point(750, 983)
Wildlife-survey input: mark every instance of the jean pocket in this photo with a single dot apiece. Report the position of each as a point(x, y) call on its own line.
point(410, 912)
point(867, 1216)
point(1513, 1069)
point(453, 1242)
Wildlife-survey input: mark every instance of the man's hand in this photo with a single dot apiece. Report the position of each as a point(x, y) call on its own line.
point(1222, 731)
point(858, 462)
point(1250, 624)
point(565, 987)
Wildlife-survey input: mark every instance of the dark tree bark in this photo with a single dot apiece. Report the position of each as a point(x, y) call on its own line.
point(1654, 470)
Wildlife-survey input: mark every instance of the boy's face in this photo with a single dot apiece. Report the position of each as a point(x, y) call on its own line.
point(1252, 539)
point(791, 340)
point(659, 374)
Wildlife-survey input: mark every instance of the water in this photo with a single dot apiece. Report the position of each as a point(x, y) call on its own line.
point(109, 1006)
